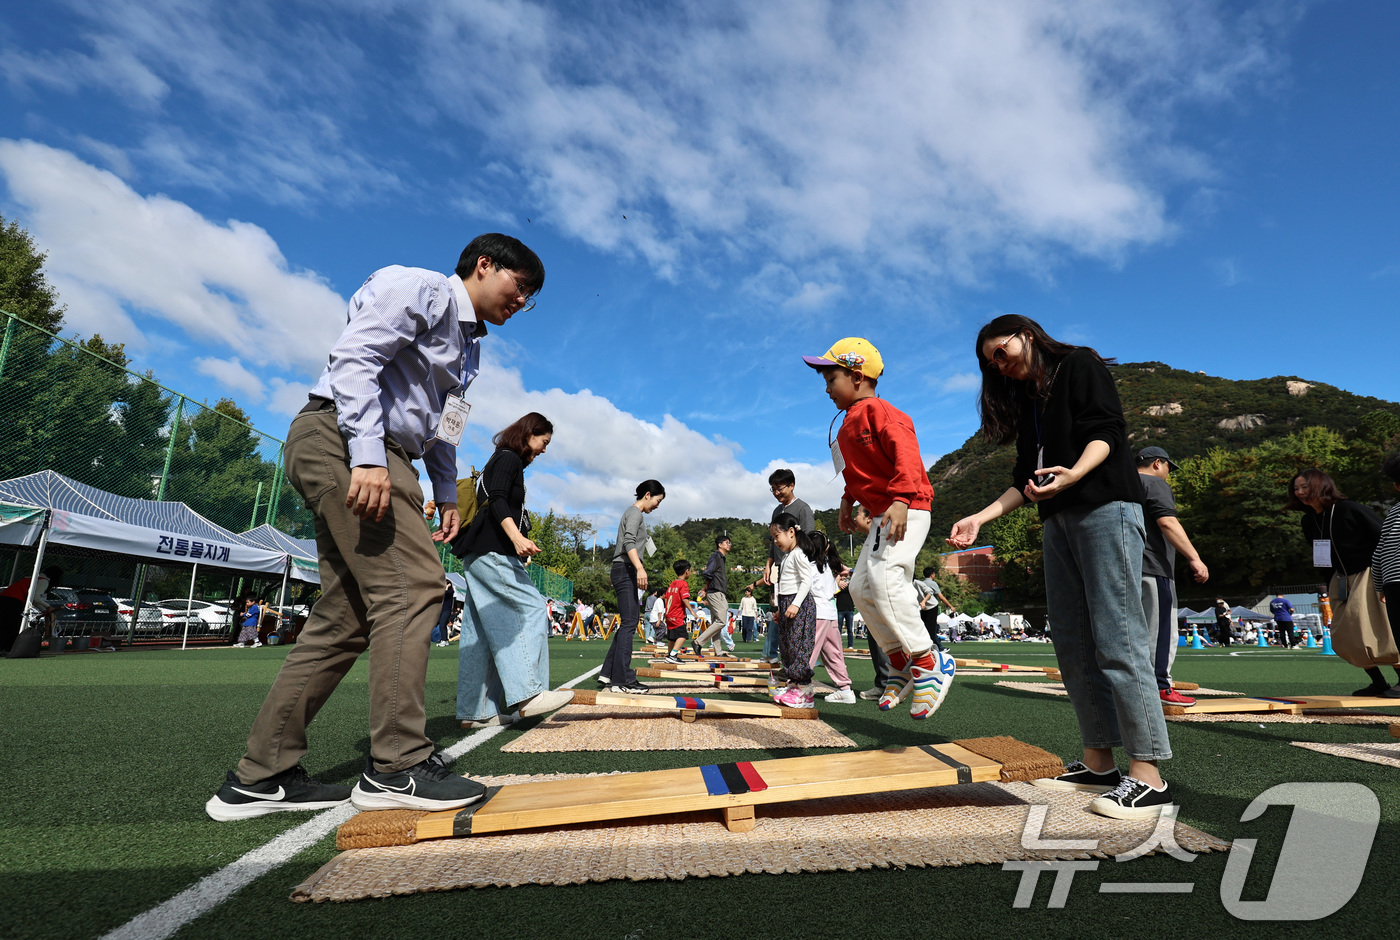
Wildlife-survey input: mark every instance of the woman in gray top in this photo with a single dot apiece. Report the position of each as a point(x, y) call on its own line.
point(629, 577)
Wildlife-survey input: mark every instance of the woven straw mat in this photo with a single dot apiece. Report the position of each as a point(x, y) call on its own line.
point(976, 823)
point(1058, 688)
point(1385, 752)
point(620, 728)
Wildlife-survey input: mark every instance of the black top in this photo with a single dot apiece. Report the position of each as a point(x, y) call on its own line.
point(1353, 529)
point(844, 600)
point(1083, 406)
point(503, 480)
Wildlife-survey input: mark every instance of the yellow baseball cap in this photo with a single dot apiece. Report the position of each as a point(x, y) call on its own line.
point(851, 353)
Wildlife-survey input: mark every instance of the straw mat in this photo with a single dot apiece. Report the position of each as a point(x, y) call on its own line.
point(1058, 688)
point(620, 728)
point(976, 823)
point(1315, 716)
point(1386, 752)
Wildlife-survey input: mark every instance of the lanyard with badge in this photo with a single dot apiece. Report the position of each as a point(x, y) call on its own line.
point(1322, 555)
point(454, 412)
point(837, 461)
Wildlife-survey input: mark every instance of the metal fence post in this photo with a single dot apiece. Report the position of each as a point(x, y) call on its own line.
point(170, 448)
point(5, 346)
point(277, 479)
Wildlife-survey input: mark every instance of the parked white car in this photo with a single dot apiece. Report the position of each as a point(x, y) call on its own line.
point(154, 619)
point(212, 614)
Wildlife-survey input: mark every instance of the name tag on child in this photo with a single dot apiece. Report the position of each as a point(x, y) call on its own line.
point(454, 420)
point(1322, 553)
point(837, 460)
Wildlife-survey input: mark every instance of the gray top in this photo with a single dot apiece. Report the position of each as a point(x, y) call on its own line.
point(1158, 556)
point(631, 533)
point(716, 575)
point(925, 587)
point(805, 518)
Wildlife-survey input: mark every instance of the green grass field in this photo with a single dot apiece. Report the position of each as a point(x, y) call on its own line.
point(109, 759)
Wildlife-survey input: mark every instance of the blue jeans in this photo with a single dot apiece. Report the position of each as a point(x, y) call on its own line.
point(746, 630)
point(846, 620)
point(1104, 644)
point(504, 654)
point(770, 639)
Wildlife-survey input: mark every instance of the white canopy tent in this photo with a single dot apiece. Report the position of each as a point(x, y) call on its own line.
point(76, 515)
point(302, 552)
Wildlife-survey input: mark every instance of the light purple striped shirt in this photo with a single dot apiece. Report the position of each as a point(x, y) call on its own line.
point(412, 338)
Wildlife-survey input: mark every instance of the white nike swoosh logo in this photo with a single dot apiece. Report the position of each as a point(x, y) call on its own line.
point(262, 796)
point(406, 789)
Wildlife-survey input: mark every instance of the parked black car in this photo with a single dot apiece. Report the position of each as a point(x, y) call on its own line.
point(83, 611)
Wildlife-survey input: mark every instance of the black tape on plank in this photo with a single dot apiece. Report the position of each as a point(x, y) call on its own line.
point(733, 778)
point(462, 822)
point(964, 771)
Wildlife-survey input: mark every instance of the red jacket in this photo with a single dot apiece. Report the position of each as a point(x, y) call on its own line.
point(882, 457)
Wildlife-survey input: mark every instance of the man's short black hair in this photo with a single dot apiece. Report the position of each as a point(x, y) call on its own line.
point(929, 571)
point(681, 567)
point(721, 539)
point(782, 477)
point(507, 252)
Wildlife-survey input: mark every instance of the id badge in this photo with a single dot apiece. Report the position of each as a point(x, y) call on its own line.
point(649, 547)
point(1322, 553)
point(454, 420)
point(837, 461)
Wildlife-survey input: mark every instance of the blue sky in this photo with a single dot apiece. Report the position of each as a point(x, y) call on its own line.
point(715, 188)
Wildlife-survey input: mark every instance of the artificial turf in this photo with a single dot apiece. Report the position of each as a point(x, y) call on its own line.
point(110, 757)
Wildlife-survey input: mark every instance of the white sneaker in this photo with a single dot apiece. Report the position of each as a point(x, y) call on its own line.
point(545, 702)
point(257, 643)
point(240, 646)
point(842, 697)
point(501, 719)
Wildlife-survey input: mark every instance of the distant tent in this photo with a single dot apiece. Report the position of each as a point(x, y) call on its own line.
point(1244, 613)
point(305, 567)
point(82, 516)
point(459, 585)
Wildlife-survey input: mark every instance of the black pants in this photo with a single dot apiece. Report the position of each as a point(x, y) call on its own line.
point(11, 611)
point(929, 615)
point(1223, 633)
point(1392, 609)
point(617, 665)
point(1285, 629)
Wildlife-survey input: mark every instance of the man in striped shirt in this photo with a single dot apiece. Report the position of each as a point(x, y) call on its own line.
point(392, 392)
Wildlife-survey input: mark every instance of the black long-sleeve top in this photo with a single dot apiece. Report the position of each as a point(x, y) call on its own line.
point(1353, 529)
point(1083, 406)
point(503, 480)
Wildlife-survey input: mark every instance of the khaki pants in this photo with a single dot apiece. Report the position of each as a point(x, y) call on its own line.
point(381, 587)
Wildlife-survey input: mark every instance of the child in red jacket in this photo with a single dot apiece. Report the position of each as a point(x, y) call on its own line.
point(884, 472)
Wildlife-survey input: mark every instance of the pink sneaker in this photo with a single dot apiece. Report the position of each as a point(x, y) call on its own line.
point(794, 697)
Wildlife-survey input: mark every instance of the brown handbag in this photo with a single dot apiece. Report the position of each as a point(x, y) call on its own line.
point(1360, 629)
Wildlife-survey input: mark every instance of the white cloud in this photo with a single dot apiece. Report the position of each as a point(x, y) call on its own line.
point(961, 382)
point(226, 286)
point(600, 453)
point(941, 138)
point(232, 374)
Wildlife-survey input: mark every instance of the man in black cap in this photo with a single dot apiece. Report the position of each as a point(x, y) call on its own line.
point(1165, 537)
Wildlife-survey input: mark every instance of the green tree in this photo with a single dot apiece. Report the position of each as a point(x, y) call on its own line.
point(24, 288)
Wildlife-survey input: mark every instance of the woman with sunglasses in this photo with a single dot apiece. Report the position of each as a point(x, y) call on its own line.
point(1059, 404)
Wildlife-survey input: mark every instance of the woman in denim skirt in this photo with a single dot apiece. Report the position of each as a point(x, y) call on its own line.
point(503, 660)
point(1059, 404)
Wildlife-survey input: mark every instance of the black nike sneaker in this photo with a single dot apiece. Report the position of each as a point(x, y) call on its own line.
point(290, 791)
point(429, 784)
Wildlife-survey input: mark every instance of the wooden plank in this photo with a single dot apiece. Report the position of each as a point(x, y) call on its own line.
point(1349, 701)
point(1228, 705)
point(704, 707)
point(739, 818)
point(781, 780)
point(714, 666)
point(720, 680)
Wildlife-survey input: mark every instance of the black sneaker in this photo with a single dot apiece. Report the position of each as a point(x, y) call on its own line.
point(1078, 776)
point(426, 785)
point(1133, 799)
point(1373, 690)
point(290, 791)
point(632, 688)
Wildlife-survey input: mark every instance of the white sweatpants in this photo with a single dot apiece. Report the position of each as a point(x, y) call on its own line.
point(882, 586)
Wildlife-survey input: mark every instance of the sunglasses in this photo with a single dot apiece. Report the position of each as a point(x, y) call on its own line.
point(999, 356)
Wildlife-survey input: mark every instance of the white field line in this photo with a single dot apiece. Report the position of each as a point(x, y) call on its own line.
point(212, 890)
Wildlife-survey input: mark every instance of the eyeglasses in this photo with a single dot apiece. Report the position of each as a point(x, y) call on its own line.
point(999, 356)
point(521, 290)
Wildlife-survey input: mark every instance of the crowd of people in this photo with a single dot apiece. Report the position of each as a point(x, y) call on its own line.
point(394, 391)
